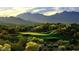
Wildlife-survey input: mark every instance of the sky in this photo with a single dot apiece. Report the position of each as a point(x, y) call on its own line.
point(46, 11)
point(12, 11)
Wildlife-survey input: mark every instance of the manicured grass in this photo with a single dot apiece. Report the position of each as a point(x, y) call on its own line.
point(33, 33)
point(52, 35)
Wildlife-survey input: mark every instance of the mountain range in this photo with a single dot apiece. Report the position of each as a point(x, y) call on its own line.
point(29, 18)
point(64, 17)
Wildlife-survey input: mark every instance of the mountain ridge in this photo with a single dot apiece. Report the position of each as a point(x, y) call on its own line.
point(64, 17)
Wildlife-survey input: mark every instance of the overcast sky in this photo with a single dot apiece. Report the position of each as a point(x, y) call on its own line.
point(47, 11)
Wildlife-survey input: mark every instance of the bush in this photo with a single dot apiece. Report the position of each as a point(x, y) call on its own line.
point(17, 47)
point(1, 47)
point(6, 47)
point(34, 39)
point(32, 46)
point(62, 47)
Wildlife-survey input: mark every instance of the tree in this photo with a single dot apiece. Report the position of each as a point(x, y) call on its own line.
point(21, 38)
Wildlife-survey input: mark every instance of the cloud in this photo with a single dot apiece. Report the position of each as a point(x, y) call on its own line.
point(48, 11)
point(5, 8)
point(52, 11)
point(41, 10)
point(37, 10)
point(6, 12)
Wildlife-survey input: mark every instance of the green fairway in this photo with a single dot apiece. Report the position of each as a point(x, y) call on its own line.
point(52, 35)
point(33, 33)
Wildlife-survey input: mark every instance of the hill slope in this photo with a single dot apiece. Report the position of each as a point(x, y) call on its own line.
point(13, 20)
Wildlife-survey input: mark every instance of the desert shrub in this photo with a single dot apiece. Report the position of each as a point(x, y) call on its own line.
point(6, 47)
point(32, 46)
